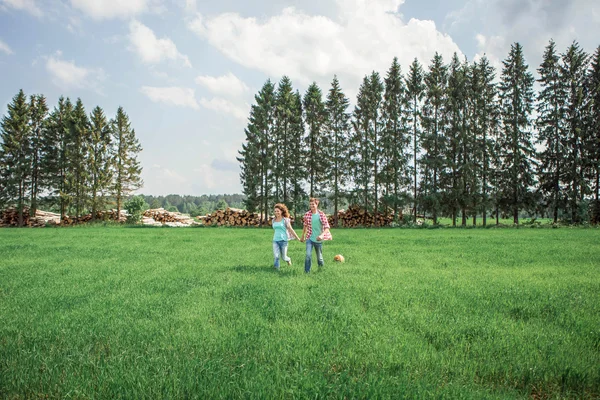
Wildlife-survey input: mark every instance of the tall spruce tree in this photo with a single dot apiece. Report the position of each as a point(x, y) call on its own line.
point(469, 144)
point(337, 131)
point(454, 197)
point(361, 159)
point(100, 160)
point(550, 124)
point(250, 172)
point(15, 154)
point(395, 140)
point(39, 112)
point(433, 142)
point(297, 166)
point(516, 95)
point(284, 121)
point(315, 116)
point(574, 73)
point(375, 130)
point(593, 129)
point(127, 169)
point(486, 126)
point(78, 157)
point(55, 162)
point(415, 90)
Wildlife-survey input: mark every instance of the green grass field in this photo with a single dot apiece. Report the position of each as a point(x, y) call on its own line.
point(115, 312)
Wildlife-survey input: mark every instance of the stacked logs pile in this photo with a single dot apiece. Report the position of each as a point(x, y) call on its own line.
point(160, 217)
point(106, 215)
point(232, 217)
point(354, 216)
point(10, 217)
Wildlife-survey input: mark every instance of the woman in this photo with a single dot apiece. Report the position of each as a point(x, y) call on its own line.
point(283, 231)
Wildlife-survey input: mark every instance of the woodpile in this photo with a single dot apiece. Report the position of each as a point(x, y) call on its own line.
point(160, 217)
point(10, 217)
point(354, 216)
point(233, 217)
point(106, 215)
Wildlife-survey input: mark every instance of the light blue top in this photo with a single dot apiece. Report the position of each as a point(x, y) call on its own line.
point(280, 230)
point(317, 228)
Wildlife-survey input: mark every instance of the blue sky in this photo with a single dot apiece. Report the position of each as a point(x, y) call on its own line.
point(186, 71)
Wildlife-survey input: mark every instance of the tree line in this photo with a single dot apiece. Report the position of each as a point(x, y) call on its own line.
point(195, 205)
point(450, 140)
point(66, 159)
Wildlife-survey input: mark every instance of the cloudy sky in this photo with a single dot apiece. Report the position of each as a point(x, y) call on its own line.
point(186, 71)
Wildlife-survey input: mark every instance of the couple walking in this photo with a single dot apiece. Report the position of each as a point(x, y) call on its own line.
point(316, 230)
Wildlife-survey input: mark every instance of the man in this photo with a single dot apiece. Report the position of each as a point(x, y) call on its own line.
point(316, 230)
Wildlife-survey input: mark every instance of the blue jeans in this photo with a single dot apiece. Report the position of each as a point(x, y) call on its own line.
point(280, 251)
point(318, 249)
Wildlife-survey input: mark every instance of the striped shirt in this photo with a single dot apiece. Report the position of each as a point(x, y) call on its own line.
point(324, 222)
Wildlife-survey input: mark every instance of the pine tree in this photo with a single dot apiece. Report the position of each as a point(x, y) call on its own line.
point(415, 90)
point(250, 175)
point(516, 95)
point(361, 159)
point(486, 126)
point(337, 131)
point(574, 72)
point(297, 166)
point(375, 130)
point(15, 153)
point(127, 169)
point(284, 120)
point(100, 160)
point(394, 139)
point(469, 149)
point(454, 196)
point(434, 126)
point(593, 129)
point(78, 157)
point(314, 111)
point(39, 112)
point(550, 125)
point(55, 163)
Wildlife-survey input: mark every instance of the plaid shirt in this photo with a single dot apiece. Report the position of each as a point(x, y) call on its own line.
point(308, 224)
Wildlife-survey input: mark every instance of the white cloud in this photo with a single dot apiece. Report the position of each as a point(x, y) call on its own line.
point(227, 85)
point(151, 49)
point(226, 107)
point(366, 36)
point(24, 5)
point(177, 96)
point(106, 9)
point(67, 75)
point(5, 48)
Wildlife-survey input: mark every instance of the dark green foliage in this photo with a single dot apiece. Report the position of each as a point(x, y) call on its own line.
point(415, 90)
point(39, 112)
point(316, 143)
point(517, 152)
point(135, 207)
point(593, 131)
point(100, 163)
point(16, 154)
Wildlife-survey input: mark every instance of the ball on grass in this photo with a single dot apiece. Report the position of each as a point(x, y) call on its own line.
point(339, 258)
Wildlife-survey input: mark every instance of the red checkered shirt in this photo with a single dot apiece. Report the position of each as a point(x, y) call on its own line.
point(324, 222)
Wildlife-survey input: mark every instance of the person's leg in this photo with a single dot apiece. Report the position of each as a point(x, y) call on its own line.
point(319, 252)
point(284, 249)
point(276, 254)
point(307, 260)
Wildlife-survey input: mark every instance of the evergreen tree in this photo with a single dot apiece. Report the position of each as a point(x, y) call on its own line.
point(516, 95)
point(78, 157)
point(250, 174)
point(574, 72)
point(314, 111)
point(433, 142)
point(486, 127)
point(39, 112)
point(375, 95)
point(55, 162)
point(469, 145)
point(395, 139)
point(127, 169)
point(15, 154)
point(100, 160)
point(337, 130)
point(297, 166)
point(361, 159)
point(415, 89)
point(454, 197)
point(593, 129)
point(284, 120)
point(550, 125)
